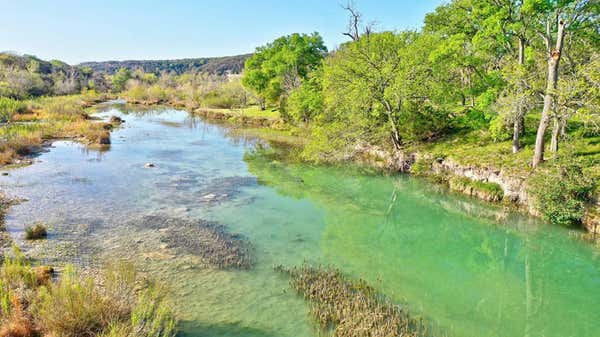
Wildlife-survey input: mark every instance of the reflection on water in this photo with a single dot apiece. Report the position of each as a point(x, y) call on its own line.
point(471, 269)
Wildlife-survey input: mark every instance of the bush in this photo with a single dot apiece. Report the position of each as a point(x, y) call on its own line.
point(421, 167)
point(561, 192)
point(36, 232)
point(9, 107)
point(156, 92)
point(137, 93)
point(499, 129)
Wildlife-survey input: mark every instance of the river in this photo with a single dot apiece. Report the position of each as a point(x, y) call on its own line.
point(468, 268)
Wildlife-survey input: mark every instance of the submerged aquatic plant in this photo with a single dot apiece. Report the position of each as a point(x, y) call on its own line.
point(211, 241)
point(350, 308)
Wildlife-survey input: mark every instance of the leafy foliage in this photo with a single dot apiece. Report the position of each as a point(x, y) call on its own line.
point(280, 66)
point(561, 192)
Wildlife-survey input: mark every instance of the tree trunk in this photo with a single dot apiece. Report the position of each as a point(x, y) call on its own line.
point(553, 63)
point(555, 134)
point(518, 126)
point(516, 144)
point(558, 132)
point(396, 139)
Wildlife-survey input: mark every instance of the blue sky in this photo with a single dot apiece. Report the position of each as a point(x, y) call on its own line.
point(76, 31)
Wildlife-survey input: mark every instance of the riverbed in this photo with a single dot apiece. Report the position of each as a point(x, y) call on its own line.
point(467, 267)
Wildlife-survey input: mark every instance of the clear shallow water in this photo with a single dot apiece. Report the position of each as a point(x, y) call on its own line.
point(469, 268)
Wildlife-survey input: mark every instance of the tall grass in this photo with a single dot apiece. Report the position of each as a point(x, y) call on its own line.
point(10, 107)
point(117, 303)
point(47, 118)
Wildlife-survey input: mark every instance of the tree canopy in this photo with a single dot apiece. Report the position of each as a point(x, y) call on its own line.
point(280, 66)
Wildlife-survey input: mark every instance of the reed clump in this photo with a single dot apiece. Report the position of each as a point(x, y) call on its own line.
point(117, 302)
point(350, 308)
point(36, 232)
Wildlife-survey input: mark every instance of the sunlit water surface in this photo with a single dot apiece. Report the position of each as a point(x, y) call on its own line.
point(470, 269)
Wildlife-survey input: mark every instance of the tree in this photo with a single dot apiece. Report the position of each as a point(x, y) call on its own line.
point(468, 54)
point(306, 102)
point(280, 66)
point(120, 78)
point(387, 81)
point(362, 75)
point(355, 23)
point(554, 20)
point(578, 93)
point(510, 29)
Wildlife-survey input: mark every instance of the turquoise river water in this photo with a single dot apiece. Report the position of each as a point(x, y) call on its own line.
point(468, 268)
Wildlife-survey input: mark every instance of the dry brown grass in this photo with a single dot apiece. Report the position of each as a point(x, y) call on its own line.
point(33, 304)
point(50, 118)
point(6, 155)
point(17, 324)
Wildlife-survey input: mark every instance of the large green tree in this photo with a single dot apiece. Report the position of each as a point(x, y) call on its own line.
point(387, 81)
point(280, 66)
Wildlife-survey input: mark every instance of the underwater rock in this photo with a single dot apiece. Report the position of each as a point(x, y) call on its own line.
point(223, 189)
point(116, 120)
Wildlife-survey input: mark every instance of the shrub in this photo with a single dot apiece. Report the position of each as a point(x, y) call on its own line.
point(421, 167)
point(137, 93)
point(158, 93)
point(305, 102)
point(78, 306)
point(9, 107)
point(36, 232)
point(499, 129)
point(561, 192)
point(122, 304)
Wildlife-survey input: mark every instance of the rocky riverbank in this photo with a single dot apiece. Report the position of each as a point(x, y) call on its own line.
point(487, 183)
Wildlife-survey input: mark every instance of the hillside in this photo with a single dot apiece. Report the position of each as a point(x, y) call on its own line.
point(213, 65)
point(23, 76)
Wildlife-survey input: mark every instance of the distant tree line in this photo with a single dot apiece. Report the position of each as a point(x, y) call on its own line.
point(210, 65)
point(26, 76)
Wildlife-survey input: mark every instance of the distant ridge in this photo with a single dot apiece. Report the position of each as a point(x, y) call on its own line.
point(212, 65)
